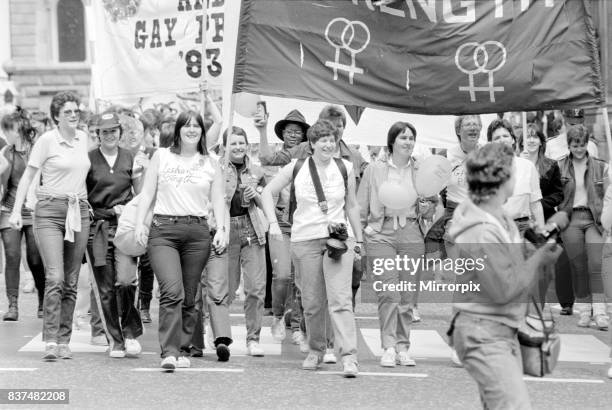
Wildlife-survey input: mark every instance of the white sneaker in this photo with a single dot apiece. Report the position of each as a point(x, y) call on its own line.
point(298, 338)
point(388, 358)
point(278, 329)
point(455, 358)
point(404, 359)
point(585, 319)
point(117, 353)
point(329, 356)
point(132, 347)
point(168, 363)
point(253, 349)
point(209, 337)
point(28, 286)
point(183, 363)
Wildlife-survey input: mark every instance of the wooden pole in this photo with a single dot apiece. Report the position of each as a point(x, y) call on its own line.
point(204, 90)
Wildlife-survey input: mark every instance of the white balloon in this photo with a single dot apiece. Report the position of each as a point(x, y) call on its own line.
point(432, 175)
point(396, 196)
point(245, 104)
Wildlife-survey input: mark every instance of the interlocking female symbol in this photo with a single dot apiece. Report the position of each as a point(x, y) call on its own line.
point(345, 40)
point(480, 50)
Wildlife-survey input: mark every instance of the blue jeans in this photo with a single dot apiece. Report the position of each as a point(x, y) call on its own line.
point(216, 283)
point(11, 239)
point(244, 250)
point(178, 251)
point(584, 244)
point(491, 354)
point(284, 291)
point(62, 261)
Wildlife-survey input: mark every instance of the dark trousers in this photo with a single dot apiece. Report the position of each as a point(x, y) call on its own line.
point(563, 281)
point(116, 282)
point(145, 282)
point(178, 252)
point(12, 253)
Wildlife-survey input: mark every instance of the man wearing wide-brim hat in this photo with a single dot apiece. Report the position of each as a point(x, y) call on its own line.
point(292, 129)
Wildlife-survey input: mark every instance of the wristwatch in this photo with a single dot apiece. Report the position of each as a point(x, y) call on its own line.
point(357, 248)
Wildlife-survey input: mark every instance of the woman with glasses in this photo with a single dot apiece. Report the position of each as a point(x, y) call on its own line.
point(61, 217)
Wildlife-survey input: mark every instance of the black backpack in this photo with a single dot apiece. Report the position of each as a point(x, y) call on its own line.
point(296, 169)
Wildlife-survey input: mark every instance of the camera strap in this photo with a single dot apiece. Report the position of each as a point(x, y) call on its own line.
point(317, 185)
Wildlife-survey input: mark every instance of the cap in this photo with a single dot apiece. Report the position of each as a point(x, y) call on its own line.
point(108, 120)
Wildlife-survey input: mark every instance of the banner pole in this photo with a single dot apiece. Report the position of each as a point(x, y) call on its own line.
point(606, 119)
point(204, 90)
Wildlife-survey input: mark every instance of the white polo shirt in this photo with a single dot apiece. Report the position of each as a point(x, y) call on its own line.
point(63, 164)
point(526, 189)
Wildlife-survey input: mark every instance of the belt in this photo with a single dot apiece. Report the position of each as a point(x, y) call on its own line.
point(581, 208)
point(188, 219)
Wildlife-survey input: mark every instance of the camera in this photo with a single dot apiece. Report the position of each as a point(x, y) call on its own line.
point(336, 244)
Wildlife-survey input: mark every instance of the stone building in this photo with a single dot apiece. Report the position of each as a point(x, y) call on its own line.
point(48, 49)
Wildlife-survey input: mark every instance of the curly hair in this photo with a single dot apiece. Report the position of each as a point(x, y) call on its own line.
point(321, 129)
point(487, 169)
point(332, 113)
point(500, 123)
point(20, 118)
point(59, 100)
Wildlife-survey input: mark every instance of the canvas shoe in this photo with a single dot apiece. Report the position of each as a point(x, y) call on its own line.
point(388, 357)
point(404, 359)
point(63, 351)
point(168, 363)
point(132, 347)
point(117, 353)
point(601, 322)
point(50, 351)
point(278, 329)
point(183, 362)
point(349, 368)
point(329, 356)
point(585, 319)
point(311, 362)
point(253, 349)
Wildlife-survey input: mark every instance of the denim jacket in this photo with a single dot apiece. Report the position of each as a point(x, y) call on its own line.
point(257, 179)
point(596, 182)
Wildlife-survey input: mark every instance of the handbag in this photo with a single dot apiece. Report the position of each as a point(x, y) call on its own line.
point(540, 343)
point(124, 239)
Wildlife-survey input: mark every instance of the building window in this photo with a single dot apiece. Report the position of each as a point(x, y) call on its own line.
point(71, 31)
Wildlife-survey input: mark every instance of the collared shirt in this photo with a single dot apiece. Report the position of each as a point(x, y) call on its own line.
point(64, 164)
point(403, 177)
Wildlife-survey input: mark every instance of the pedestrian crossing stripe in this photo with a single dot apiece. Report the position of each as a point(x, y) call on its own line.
point(424, 344)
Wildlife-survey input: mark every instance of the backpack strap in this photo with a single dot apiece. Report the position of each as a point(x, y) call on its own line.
point(292, 200)
point(343, 171)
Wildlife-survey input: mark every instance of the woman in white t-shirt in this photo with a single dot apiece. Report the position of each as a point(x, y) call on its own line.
point(61, 217)
point(322, 277)
point(184, 180)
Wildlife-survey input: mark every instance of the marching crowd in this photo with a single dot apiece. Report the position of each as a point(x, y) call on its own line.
point(308, 212)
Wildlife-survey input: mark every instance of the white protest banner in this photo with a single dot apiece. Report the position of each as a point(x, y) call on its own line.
point(143, 48)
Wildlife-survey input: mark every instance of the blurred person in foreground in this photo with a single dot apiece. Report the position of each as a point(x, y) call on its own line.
point(485, 324)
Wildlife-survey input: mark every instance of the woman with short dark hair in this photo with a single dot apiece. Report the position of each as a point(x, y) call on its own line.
point(585, 180)
point(321, 275)
point(486, 320)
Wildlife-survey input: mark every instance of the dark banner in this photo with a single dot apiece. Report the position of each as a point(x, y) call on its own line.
point(422, 56)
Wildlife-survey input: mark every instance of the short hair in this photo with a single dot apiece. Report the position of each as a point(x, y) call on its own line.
point(19, 118)
point(487, 169)
point(59, 100)
point(577, 133)
point(235, 131)
point(459, 122)
point(320, 129)
point(332, 113)
point(497, 124)
point(181, 121)
point(395, 130)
